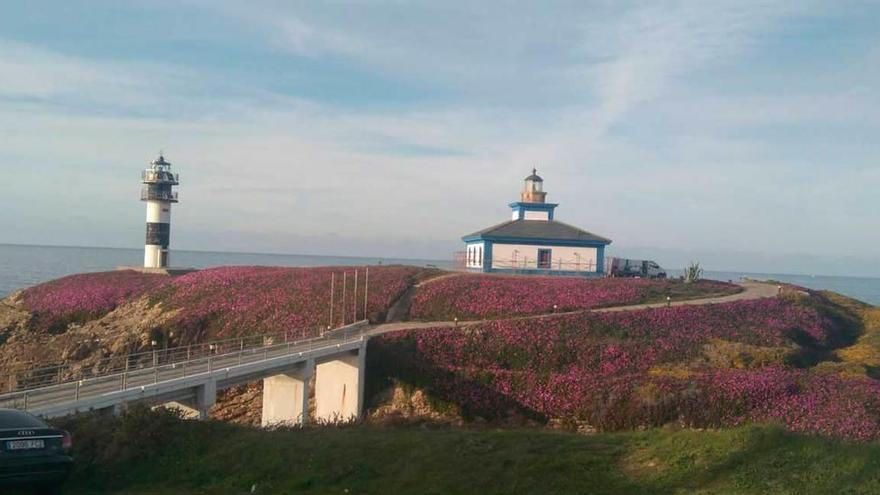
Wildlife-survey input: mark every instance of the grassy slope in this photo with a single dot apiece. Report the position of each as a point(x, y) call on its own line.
point(152, 453)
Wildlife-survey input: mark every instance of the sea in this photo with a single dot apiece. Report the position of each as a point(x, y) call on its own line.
point(23, 266)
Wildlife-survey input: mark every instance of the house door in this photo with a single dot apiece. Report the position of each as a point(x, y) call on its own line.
point(544, 259)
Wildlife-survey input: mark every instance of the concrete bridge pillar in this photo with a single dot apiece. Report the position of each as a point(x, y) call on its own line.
point(286, 397)
point(200, 405)
point(339, 386)
point(206, 396)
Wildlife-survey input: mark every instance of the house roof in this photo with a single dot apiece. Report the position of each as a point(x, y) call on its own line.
point(552, 230)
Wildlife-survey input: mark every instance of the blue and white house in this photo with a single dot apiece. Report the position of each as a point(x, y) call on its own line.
point(534, 242)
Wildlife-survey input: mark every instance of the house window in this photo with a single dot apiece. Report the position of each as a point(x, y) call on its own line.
point(480, 257)
point(544, 259)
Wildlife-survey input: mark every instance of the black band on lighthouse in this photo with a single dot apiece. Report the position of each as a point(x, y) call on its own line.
point(158, 234)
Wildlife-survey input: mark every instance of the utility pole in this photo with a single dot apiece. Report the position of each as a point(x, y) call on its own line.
point(366, 288)
point(344, 280)
point(332, 284)
point(354, 315)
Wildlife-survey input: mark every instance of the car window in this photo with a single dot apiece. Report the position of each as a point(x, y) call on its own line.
point(18, 419)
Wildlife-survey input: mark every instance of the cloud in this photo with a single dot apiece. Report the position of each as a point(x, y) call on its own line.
point(612, 104)
point(38, 75)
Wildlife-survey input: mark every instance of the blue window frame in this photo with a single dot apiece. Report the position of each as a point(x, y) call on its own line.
point(544, 259)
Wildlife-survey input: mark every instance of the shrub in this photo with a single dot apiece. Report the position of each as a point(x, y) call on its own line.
point(692, 272)
point(640, 368)
point(494, 296)
point(84, 297)
point(233, 301)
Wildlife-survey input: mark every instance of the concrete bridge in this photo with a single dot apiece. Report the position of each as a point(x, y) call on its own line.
point(336, 361)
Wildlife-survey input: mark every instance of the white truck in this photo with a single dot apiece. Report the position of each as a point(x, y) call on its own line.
point(622, 267)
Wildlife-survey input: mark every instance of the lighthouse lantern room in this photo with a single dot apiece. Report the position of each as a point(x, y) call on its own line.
point(158, 182)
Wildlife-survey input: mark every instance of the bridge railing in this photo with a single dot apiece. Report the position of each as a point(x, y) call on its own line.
point(25, 379)
point(274, 345)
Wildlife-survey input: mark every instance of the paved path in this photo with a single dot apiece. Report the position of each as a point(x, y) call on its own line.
point(751, 290)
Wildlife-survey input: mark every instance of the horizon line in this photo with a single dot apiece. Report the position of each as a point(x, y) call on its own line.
point(742, 272)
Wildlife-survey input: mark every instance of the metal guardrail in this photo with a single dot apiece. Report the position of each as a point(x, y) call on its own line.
point(558, 264)
point(30, 378)
point(157, 176)
point(526, 263)
point(221, 354)
point(147, 195)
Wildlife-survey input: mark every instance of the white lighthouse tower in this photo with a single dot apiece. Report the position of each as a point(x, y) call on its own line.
point(158, 181)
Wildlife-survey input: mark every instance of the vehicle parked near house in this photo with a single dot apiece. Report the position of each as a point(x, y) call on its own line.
point(32, 454)
point(623, 267)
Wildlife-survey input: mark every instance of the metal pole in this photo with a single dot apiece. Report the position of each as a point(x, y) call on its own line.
point(344, 281)
point(366, 288)
point(124, 379)
point(332, 286)
point(354, 315)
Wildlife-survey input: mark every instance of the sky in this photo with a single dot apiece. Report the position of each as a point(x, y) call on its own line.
point(739, 134)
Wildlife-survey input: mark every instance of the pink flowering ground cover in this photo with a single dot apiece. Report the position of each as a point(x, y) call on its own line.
point(612, 371)
point(233, 301)
point(493, 296)
point(844, 407)
point(83, 297)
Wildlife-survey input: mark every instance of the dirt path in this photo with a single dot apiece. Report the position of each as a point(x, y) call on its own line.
point(751, 290)
point(399, 311)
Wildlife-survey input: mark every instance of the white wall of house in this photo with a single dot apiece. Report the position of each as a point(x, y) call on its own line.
point(524, 256)
point(536, 215)
point(531, 215)
point(474, 255)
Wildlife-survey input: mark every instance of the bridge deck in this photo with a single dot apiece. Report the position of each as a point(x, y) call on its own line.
point(173, 381)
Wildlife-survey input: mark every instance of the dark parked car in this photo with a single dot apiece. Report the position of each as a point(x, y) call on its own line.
point(32, 454)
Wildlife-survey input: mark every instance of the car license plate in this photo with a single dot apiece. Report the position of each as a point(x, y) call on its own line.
point(25, 444)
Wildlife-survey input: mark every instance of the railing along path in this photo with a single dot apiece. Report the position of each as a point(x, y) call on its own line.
point(73, 382)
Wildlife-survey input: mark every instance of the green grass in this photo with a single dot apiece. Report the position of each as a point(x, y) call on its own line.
point(148, 452)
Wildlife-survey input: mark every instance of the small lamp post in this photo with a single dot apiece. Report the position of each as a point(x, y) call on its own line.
point(456, 321)
point(668, 301)
point(153, 344)
point(555, 307)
